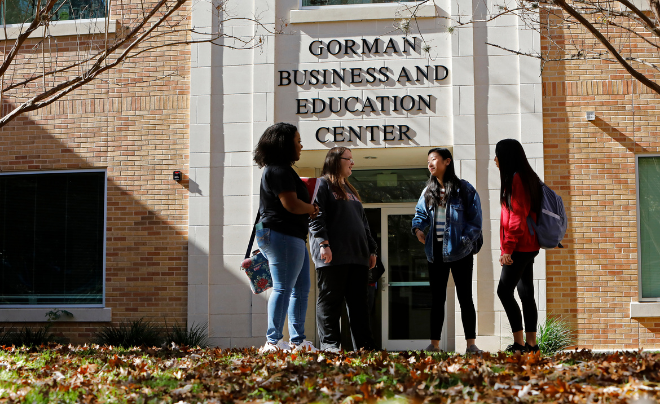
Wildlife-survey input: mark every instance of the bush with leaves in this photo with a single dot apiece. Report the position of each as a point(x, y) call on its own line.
point(555, 335)
point(28, 336)
point(131, 334)
point(195, 336)
point(34, 336)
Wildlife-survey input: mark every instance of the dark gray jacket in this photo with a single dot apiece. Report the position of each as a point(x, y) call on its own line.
point(344, 224)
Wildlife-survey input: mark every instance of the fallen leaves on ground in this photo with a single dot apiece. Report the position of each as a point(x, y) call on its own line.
point(151, 375)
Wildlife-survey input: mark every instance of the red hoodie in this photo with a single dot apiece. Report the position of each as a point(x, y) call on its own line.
point(514, 233)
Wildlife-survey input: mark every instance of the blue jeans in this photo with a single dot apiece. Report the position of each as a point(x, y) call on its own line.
point(288, 260)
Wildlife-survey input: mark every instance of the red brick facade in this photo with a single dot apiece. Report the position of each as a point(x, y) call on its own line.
point(592, 165)
point(134, 123)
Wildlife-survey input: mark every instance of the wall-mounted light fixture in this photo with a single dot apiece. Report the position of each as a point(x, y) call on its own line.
point(591, 115)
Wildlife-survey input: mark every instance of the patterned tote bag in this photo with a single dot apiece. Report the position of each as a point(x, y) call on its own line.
point(256, 267)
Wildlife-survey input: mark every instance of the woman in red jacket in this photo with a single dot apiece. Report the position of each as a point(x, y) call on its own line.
point(520, 197)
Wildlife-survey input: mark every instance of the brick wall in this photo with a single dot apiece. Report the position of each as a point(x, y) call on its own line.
point(134, 122)
point(592, 166)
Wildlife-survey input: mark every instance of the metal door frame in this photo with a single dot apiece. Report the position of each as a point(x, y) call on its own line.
point(397, 345)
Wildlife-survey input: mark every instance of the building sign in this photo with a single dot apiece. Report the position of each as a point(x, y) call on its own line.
point(382, 76)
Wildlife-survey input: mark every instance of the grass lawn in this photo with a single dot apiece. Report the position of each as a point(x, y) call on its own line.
point(108, 375)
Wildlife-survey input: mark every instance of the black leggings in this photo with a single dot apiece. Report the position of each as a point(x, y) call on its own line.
point(461, 270)
point(520, 274)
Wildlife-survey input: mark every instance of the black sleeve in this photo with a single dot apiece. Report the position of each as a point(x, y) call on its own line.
point(318, 226)
point(280, 179)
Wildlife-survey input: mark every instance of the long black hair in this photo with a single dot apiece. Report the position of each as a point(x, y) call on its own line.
point(276, 145)
point(452, 183)
point(512, 159)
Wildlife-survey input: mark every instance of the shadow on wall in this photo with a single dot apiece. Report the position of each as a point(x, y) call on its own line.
point(619, 136)
point(146, 236)
point(568, 268)
point(651, 329)
point(222, 209)
point(486, 284)
point(561, 264)
point(648, 328)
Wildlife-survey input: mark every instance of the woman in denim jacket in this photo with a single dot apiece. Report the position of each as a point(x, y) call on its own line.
point(451, 209)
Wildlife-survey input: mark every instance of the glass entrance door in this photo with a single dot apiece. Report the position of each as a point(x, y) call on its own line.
point(406, 303)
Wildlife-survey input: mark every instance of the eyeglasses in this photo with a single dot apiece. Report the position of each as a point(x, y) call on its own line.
point(346, 158)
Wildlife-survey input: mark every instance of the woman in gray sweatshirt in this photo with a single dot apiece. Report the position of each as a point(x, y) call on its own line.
point(343, 251)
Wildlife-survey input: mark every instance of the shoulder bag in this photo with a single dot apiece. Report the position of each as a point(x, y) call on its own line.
point(256, 267)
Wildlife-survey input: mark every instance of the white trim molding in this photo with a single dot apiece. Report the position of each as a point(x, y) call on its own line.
point(645, 309)
point(90, 315)
point(360, 12)
point(93, 26)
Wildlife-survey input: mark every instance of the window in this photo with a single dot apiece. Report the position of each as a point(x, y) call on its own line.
point(390, 186)
point(52, 235)
point(648, 177)
point(307, 3)
point(23, 11)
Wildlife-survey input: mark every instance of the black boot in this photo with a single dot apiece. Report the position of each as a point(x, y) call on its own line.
point(516, 347)
point(530, 348)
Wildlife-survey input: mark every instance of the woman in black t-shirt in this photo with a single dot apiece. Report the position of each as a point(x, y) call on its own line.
point(281, 235)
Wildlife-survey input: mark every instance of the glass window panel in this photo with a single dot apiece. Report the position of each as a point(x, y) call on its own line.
point(18, 11)
point(406, 259)
point(388, 186)
point(51, 238)
point(409, 293)
point(409, 312)
point(344, 2)
point(23, 11)
point(649, 225)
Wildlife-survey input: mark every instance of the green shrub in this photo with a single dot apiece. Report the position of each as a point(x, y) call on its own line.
point(5, 338)
point(555, 335)
point(133, 334)
point(28, 336)
point(194, 336)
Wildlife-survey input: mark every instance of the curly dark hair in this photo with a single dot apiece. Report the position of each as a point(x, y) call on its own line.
point(276, 145)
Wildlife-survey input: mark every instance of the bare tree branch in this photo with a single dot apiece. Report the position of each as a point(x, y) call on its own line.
point(563, 25)
point(36, 23)
point(210, 38)
point(632, 31)
point(655, 8)
point(155, 28)
point(601, 38)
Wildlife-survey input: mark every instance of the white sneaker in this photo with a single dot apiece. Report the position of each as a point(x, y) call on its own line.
point(333, 350)
point(304, 346)
point(280, 346)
